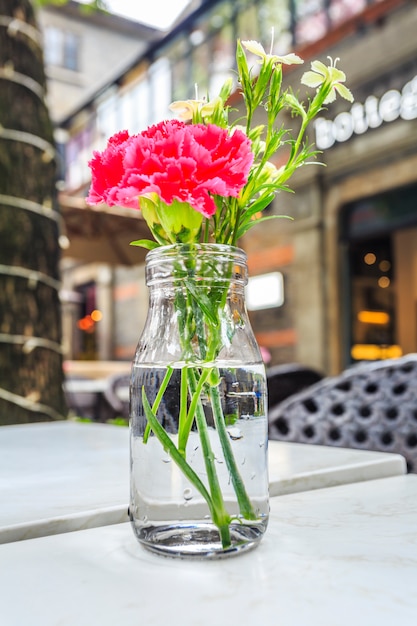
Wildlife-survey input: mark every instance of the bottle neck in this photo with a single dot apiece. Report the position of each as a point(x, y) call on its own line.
point(202, 264)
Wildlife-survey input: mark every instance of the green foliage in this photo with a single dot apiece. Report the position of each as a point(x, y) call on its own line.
point(261, 88)
point(93, 5)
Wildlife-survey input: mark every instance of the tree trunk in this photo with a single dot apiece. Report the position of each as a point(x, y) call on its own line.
point(31, 374)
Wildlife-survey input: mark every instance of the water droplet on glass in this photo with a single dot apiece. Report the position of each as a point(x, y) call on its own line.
point(253, 476)
point(261, 444)
point(234, 433)
point(244, 461)
point(166, 459)
point(188, 494)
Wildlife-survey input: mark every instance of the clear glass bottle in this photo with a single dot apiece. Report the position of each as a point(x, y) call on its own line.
point(198, 408)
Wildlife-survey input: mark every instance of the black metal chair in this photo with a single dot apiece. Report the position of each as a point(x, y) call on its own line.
point(285, 380)
point(116, 394)
point(80, 403)
point(372, 406)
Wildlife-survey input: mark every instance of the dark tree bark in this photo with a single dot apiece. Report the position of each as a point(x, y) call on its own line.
point(31, 374)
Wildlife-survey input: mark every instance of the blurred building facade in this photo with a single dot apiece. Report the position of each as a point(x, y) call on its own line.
point(84, 51)
point(345, 270)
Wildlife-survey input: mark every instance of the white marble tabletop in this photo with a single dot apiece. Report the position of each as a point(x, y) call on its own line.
point(331, 557)
point(65, 476)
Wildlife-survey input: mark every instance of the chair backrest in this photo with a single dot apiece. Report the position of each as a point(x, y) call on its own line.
point(285, 380)
point(117, 394)
point(80, 403)
point(372, 406)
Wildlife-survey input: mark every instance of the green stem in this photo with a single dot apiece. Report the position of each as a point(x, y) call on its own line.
point(171, 449)
point(297, 144)
point(220, 516)
point(185, 427)
point(158, 399)
point(237, 224)
point(245, 505)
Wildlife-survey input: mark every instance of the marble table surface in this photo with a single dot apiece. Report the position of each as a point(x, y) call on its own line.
point(66, 476)
point(331, 557)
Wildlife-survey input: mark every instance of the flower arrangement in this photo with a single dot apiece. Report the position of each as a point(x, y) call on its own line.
point(204, 179)
point(210, 180)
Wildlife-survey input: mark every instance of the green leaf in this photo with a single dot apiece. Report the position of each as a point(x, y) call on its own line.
point(175, 455)
point(249, 225)
point(145, 243)
point(203, 301)
point(260, 204)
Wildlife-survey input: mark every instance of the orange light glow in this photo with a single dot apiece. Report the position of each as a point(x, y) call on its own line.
point(373, 317)
point(86, 324)
point(370, 352)
point(96, 315)
point(369, 258)
point(384, 282)
point(384, 266)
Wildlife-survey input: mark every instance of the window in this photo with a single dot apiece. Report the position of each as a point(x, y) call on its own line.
point(61, 48)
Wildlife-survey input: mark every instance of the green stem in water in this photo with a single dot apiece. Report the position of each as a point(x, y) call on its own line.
point(183, 429)
point(220, 517)
point(171, 449)
point(185, 426)
point(245, 505)
point(158, 399)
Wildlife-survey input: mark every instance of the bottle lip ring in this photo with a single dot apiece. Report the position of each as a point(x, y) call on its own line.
point(170, 263)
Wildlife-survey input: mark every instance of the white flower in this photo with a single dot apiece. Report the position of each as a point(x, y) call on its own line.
point(258, 49)
point(321, 74)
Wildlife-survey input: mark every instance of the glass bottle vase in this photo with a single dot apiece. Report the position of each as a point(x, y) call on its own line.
point(198, 408)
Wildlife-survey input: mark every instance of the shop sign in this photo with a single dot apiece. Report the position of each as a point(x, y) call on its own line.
point(392, 105)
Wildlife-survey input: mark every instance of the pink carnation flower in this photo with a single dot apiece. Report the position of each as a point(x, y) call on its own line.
point(188, 163)
point(107, 169)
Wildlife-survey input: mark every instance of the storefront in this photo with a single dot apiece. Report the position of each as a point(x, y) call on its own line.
point(350, 277)
point(376, 221)
point(343, 273)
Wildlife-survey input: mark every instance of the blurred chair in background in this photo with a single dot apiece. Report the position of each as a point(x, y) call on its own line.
point(372, 406)
point(285, 380)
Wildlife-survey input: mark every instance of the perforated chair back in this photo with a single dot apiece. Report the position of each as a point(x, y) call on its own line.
point(372, 406)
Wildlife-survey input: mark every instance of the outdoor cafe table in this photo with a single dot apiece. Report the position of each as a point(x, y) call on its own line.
point(338, 556)
point(65, 476)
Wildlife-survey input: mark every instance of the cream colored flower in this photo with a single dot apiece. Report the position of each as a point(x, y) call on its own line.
point(258, 49)
point(321, 74)
point(186, 109)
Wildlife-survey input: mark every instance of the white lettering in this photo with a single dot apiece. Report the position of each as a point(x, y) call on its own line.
point(371, 114)
point(324, 134)
point(343, 127)
point(390, 105)
point(409, 100)
point(360, 124)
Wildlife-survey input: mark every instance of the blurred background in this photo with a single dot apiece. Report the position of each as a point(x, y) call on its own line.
point(335, 286)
